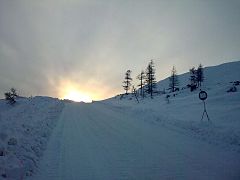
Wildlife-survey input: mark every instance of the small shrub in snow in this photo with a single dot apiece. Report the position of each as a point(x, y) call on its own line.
point(236, 83)
point(4, 175)
point(167, 98)
point(11, 96)
point(2, 151)
point(232, 89)
point(12, 141)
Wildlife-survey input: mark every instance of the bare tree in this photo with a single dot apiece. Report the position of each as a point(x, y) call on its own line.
point(141, 78)
point(127, 81)
point(134, 92)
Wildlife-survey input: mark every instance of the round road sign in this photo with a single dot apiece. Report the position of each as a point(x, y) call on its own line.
point(202, 95)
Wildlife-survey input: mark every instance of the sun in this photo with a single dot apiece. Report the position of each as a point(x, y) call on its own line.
point(77, 96)
point(76, 91)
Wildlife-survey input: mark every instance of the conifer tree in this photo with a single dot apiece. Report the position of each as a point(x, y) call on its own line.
point(173, 80)
point(200, 77)
point(193, 78)
point(127, 81)
point(141, 78)
point(150, 78)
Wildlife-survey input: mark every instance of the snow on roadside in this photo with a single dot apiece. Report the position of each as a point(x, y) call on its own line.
point(25, 128)
point(183, 114)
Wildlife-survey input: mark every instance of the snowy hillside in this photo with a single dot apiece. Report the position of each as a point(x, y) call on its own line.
point(220, 74)
point(24, 131)
point(184, 110)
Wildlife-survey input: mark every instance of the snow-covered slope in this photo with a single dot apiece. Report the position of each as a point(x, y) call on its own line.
point(24, 131)
point(184, 110)
point(220, 74)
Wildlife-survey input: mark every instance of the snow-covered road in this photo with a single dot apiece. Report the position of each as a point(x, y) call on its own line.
point(97, 141)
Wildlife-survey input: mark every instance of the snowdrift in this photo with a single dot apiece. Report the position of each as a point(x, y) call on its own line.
point(24, 131)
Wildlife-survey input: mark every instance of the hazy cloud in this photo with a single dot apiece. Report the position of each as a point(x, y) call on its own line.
point(92, 43)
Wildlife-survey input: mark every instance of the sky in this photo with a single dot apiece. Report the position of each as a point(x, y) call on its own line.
point(59, 47)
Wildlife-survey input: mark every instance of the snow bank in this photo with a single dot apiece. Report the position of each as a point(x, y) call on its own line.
point(183, 112)
point(24, 131)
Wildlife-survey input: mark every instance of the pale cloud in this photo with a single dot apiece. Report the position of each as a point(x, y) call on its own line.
point(92, 43)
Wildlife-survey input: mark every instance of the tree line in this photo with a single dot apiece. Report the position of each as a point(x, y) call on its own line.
point(147, 80)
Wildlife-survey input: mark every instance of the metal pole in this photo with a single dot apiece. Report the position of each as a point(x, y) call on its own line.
point(205, 111)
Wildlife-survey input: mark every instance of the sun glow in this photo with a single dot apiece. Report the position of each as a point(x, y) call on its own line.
point(76, 91)
point(77, 96)
point(73, 91)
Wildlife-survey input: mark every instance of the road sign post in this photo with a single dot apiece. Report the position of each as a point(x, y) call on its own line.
point(203, 97)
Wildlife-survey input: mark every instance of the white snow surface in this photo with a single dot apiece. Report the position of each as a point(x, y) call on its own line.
point(153, 139)
point(110, 141)
point(25, 129)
